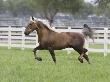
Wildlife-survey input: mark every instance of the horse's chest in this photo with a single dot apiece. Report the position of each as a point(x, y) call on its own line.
point(44, 42)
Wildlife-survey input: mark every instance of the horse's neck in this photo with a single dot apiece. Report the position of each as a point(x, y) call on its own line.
point(43, 33)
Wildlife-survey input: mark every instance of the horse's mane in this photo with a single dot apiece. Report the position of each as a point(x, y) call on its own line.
point(45, 26)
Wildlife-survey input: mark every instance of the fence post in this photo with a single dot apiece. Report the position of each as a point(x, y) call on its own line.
point(37, 44)
point(54, 28)
point(23, 38)
point(69, 28)
point(97, 35)
point(87, 44)
point(69, 50)
point(105, 40)
point(9, 37)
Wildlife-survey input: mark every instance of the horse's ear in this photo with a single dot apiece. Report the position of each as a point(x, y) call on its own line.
point(33, 18)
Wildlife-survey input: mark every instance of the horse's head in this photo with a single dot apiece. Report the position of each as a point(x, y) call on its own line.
point(31, 26)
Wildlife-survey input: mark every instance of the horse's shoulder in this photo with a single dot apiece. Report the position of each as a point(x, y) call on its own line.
point(63, 33)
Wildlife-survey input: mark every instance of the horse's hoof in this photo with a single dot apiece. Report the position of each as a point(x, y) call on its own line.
point(80, 59)
point(39, 58)
point(54, 62)
point(89, 63)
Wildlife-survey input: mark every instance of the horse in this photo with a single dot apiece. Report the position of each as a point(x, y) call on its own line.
point(51, 40)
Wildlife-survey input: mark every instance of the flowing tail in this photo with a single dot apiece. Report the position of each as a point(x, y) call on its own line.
point(88, 32)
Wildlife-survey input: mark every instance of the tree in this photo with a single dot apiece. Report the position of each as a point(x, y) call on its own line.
point(72, 6)
point(20, 7)
point(1, 6)
point(87, 9)
point(46, 8)
point(102, 7)
point(49, 8)
point(102, 3)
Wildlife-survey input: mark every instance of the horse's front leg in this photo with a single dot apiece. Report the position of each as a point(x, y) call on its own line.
point(35, 55)
point(52, 54)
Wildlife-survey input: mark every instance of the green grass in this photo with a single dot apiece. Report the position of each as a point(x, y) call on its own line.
point(98, 46)
point(20, 66)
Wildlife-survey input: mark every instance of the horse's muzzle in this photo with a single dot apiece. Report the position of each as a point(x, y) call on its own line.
point(26, 33)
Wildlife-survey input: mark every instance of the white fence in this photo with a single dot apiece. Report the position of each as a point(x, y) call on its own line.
point(14, 37)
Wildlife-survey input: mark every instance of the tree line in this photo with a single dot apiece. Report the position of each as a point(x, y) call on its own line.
point(49, 8)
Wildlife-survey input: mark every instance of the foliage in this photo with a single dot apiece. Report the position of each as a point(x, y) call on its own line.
point(19, 7)
point(102, 7)
point(72, 6)
point(1, 6)
point(103, 3)
point(47, 9)
point(87, 9)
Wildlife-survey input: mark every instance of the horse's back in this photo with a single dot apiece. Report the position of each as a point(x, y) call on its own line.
point(74, 35)
point(75, 39)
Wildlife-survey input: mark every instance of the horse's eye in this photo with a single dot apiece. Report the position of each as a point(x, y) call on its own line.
point(30, 24)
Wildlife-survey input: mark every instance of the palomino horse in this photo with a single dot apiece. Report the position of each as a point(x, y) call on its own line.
point(51, 40)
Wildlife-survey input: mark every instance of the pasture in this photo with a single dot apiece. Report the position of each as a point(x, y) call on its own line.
point(20, 66)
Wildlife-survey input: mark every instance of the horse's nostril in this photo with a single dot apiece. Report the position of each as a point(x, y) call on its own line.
point(25, 33)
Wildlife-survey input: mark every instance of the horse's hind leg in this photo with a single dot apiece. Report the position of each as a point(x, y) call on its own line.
point(52, 54)
point(86, 56)
point(80, 51)
point(35, 55)
point(80, 58)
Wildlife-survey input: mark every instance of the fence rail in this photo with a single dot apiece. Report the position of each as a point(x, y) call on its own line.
point(14, 37)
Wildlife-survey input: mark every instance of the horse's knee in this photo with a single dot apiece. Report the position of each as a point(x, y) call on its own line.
point(85, 50)
point(34, 50)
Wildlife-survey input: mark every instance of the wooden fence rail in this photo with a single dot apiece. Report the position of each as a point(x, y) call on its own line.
point(14, 37)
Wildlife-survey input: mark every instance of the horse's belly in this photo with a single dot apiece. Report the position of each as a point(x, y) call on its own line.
point(59, 46)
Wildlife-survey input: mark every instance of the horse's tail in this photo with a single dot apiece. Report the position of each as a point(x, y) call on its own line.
point(88, 32)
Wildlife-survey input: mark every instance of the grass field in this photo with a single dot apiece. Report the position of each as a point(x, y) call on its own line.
point(19, 66)
point(98, 46)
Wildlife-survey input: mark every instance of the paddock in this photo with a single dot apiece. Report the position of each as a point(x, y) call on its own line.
point(27, 56)
point(17, 63)
point(20, 66)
